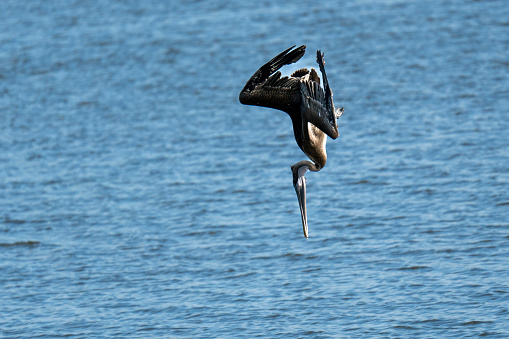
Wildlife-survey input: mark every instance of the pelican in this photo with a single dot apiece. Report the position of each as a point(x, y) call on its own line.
point(310, 107)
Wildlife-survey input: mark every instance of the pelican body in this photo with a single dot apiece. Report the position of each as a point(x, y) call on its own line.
point(309, 106)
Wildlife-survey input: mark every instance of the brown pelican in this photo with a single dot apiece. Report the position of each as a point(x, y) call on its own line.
point(310, 107)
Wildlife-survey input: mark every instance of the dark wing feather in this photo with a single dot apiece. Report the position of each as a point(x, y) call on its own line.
point(315, 109)
point(316, 105)
point(300, 73)
point(328, 93)
point(267, 88)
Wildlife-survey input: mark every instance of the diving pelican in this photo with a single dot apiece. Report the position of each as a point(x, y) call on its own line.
point(310, 107)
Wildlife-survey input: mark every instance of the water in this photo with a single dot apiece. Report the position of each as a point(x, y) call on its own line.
point(140, 199)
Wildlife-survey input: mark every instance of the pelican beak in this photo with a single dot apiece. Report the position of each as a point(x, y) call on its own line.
point(300, 189)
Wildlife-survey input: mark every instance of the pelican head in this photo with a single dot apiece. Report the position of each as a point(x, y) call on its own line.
point(299, 183)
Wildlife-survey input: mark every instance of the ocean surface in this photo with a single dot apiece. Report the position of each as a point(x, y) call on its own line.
point(140, 199)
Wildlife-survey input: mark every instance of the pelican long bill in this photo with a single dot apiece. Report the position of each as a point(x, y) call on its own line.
point(300, 189)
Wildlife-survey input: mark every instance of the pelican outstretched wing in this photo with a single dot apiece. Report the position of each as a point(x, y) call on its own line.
point(267, 88)
point(316, 105)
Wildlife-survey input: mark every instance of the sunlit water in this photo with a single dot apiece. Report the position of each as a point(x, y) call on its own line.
point(139, 199)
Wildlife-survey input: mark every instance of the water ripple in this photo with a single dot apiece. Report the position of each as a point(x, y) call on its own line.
point(140, 199)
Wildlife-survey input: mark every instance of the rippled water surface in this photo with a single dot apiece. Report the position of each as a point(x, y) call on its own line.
point(139, 199)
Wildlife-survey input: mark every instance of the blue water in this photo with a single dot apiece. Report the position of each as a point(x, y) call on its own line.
point(139, 199)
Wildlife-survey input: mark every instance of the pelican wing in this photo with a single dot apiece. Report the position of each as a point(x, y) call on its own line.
point(317, 105)
point(315, 109)
point(267, 88)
